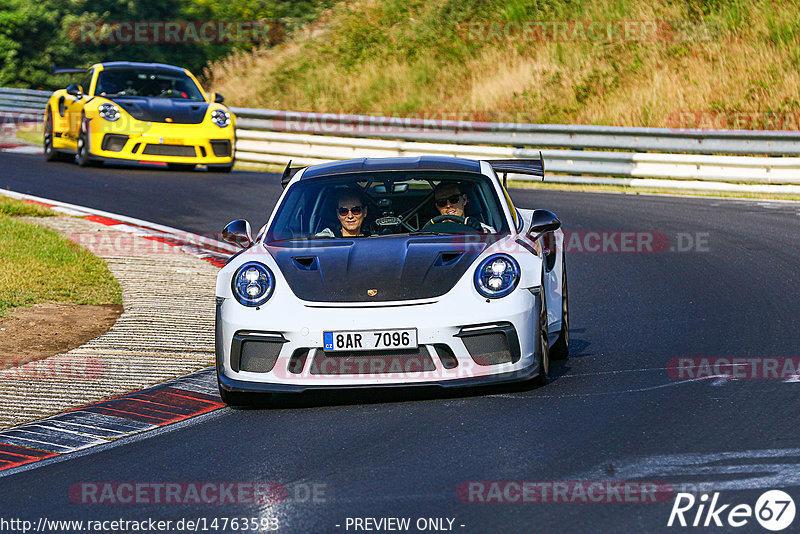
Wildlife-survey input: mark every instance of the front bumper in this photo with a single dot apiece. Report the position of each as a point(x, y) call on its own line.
point(201, 144)
point(458, 347)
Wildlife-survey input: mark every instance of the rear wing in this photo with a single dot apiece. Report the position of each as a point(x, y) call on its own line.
point(534, 167)
point(288, 174)
point(57, 70)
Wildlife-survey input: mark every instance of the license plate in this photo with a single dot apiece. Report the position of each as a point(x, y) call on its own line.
point(350, 340)
point(171, 140)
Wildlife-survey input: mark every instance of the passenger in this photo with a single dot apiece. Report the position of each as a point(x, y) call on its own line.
point(351, 210)
point(450, 200)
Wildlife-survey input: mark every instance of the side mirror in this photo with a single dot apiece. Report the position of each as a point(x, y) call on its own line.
point(238, 233)
point(543, 221)
point(75, 91)
point(218, 98)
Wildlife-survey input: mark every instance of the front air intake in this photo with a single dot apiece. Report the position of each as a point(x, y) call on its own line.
point(256, 352)
point(491, 344)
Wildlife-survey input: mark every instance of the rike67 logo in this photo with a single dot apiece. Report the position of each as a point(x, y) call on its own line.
point(774, 510)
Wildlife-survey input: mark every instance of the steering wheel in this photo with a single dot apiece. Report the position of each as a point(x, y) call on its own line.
point(448, 218)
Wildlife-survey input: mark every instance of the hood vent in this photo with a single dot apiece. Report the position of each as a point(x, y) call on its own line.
point(448, 258)
point(307, 263)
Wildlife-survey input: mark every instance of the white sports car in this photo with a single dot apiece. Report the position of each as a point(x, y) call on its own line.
point(392, 272)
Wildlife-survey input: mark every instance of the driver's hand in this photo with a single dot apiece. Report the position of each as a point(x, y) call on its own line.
point(473, 223)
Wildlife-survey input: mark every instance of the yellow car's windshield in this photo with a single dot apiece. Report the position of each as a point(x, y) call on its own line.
point(157, 83)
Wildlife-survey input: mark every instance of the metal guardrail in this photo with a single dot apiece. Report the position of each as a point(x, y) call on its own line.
point(744, 142)
point(25, 104)
point(278, 148)
point(275, 137)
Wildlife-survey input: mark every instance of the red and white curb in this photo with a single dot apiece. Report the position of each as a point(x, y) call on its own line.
point(20, 149)
point(212, 250)
point(109, 420)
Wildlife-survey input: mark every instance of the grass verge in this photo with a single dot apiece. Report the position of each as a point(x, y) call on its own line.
point(37, 264)
point(19, 208)
point(30, 137)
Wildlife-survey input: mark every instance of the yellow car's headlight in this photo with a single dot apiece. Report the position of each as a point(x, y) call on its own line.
point(109, 111)
point(221, 118)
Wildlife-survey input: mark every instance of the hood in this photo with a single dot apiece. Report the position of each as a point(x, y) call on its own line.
point(391, 267)
point(159, 109)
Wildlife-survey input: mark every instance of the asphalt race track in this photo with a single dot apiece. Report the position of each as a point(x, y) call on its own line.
point(721, 281)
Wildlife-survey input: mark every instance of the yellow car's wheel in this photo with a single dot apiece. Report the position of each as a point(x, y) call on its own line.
point(50, 153)
point(84, 156)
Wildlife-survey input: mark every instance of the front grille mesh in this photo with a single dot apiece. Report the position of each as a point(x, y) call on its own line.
point(170, 150)
point(372, 363)
point(488, 349)
point(259, 356)
point(221, 148)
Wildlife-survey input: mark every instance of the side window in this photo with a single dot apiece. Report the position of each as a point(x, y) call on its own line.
point(86, 82)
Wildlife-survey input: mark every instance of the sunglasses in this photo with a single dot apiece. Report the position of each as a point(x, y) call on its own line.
point(355, 210)
point(452, 199)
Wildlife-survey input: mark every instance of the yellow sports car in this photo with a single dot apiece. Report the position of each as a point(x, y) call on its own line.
point(139, 112)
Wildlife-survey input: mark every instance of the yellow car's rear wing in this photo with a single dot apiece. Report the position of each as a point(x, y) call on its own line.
point(57, 70)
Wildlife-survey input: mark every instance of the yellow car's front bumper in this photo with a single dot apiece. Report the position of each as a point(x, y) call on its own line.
point(200, 144)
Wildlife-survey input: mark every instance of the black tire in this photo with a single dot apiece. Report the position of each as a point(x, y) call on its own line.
point(51, 154)
point(543, 345)
point(220, 168)
point(180, 167)
point(560, 349)
point(84, 156)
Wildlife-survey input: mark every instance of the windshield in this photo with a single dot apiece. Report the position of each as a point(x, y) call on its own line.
point(382, 204)
point(159, 83)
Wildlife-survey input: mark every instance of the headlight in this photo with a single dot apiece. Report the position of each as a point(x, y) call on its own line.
point(253, 284)
point(108, 111)
point(220, 117)
point(497, 276)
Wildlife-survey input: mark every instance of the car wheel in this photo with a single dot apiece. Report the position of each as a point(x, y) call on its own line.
point(543, 347)
point(560, 349)
point(180, 167)
point(51, 154)
point(84, 156)
point(220, 168)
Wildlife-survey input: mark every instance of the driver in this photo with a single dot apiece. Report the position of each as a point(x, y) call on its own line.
point(165, 87)
point(450, 200)
point(351, 210)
